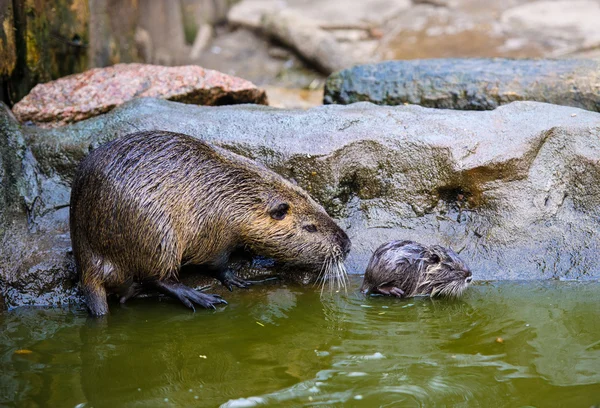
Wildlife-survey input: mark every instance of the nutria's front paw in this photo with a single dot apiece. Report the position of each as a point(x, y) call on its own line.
point(397, 292)
point(229, 279)
point(390, 291)
point(235, 281)
point(130, 292)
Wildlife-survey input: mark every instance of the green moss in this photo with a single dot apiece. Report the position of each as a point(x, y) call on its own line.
point(49, 41)
point(8, 54)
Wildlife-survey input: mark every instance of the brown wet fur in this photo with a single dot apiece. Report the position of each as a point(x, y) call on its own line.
point(407, 269)
point(146, 203)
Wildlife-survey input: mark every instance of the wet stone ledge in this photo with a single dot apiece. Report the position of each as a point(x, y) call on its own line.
point(515, 190)
point(469, 84)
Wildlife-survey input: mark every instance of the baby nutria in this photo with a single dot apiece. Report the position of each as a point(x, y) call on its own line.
point(407, 269)
point(147, 203)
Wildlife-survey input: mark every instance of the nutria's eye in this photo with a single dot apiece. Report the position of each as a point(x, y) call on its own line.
point(310, 227)
point(280, 211)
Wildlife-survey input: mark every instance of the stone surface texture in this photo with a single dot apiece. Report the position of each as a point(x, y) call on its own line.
point(346, 13)
point(308, 40)
point(571, 24)
point(96, 91)
point(35, 266)
point(470, 84)
point(515, 190)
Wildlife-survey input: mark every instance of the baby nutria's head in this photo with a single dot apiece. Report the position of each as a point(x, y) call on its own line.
point(416, 269)
point(445, 274)
point(290, 227)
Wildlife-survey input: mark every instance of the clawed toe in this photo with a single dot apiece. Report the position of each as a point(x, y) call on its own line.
point(202, 299)
point(228, 278)
point(235, 281)
point(397, 292)
point(390, 291)
point(207, 301)
point(130, 292)
point(272, 278)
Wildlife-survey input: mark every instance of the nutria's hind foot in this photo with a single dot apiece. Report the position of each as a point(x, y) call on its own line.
point(228, 278)
point(187, 295)
point(390, 291)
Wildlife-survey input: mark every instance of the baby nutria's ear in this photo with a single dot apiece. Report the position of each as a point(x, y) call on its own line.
point(278, 209)
point(434, 254)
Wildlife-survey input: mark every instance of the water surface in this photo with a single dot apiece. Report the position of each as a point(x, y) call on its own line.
point(502, 345)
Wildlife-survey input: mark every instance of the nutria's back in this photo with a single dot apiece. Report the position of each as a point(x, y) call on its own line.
point(145, 203)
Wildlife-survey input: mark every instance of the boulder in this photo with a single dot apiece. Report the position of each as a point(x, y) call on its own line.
point(468, 84)
point(35, 265)
point(514, 190)
point(96, 91)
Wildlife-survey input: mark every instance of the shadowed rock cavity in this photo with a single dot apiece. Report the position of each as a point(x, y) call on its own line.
point(514, 190)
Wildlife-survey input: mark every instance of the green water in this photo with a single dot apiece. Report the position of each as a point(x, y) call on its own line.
point(285, 346)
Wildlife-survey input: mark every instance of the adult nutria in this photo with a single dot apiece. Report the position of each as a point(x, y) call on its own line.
point(407, 268)
point(144, 204)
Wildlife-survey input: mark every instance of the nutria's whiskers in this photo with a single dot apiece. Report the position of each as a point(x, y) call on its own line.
point(334, 273)
point(342, 274)
point(326, 273)
point(322, 274)
point(453, 290)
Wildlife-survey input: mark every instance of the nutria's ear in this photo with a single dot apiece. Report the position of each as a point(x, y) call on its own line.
point(434, 258)
point(278, 210)
point(434, 254)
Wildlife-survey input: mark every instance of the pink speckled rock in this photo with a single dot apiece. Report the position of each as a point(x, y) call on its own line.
point(81, 96)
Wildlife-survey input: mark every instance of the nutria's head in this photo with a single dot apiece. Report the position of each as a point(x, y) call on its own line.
point(443, 273)
point(290, 227)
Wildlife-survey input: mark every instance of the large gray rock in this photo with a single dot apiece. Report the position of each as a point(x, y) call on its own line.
point(34, 264)
point(515, 190)
point(470, 84)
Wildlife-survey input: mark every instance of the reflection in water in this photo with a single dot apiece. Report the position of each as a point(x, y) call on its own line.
point(287, 346)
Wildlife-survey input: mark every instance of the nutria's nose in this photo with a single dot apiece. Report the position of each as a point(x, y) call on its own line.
point(346, 247)
point(343, 241)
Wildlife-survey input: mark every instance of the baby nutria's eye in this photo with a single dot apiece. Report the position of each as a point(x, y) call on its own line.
point(280, 211)
point(310, 227)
